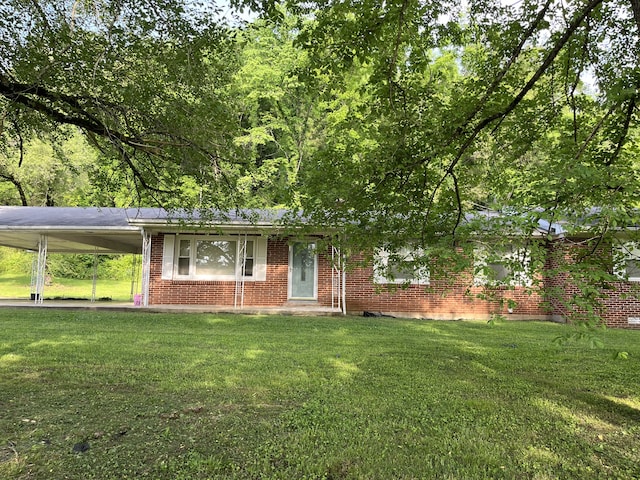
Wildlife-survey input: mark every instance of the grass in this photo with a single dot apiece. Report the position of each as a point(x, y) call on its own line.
point(191, 396)
point(19, 286)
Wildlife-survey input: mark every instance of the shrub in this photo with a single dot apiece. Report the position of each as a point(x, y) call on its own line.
point(78, 266)
point(13, 261)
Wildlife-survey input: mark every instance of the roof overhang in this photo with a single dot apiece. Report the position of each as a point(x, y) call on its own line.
point(74, 240)
point(104, 230)
point(69, 230)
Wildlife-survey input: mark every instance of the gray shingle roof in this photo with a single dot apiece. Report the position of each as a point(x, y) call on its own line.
point(109, 230)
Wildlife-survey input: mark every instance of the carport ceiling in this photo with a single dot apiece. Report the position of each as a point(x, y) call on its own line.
point(70, 230)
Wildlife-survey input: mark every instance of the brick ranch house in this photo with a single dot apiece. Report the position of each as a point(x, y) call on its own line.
point(237, 263)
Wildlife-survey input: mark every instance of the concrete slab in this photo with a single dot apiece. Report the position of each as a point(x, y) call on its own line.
point(301, 310)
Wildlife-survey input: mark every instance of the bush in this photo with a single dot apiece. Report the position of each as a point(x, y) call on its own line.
point(13, 261)
point(78, 266)
point(70, 266)
point(119, 267)
point(81, 266)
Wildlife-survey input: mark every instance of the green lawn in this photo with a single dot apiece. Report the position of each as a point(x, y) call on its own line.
point(190, 396)
point(19, 286)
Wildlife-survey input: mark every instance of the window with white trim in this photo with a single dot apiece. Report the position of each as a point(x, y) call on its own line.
point(399, 268)
point(247, 258)
point(213, 257)
point(628, 261)
point(507, 265)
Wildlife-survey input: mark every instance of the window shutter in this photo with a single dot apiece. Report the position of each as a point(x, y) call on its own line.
point(380, 262)
point(260, 265)
point(167, 257)
point(479, 266)
point(423, 276)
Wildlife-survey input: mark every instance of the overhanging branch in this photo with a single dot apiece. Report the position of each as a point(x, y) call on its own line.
point(501, 115)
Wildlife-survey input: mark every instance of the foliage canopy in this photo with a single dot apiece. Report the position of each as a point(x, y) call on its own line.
point(397, 121)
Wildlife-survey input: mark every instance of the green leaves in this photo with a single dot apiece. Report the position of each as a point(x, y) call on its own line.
point(144, 80)
point(438, 111)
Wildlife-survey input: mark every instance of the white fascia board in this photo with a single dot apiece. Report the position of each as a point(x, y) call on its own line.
point(66, 229)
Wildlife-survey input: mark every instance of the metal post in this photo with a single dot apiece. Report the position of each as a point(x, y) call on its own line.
point(336, 280)
point(333, 277)
point(34, 277)
point(95, 275)
point(41, 268)
point(134, 275)
point(146, 267)
point(242, 260)
point(244, 264)
point(344, 283)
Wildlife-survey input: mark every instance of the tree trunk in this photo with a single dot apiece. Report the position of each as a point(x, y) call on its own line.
point(16, 183)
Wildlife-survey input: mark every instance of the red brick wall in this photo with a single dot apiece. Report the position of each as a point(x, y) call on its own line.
point(621, 304)
point(271, 293)
point(452, 297)
point(622, 299)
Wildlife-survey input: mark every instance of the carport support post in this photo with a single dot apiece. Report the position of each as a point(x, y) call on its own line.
point(95, 275)
point(41, 268)
point(344, 284)
point(146, 267)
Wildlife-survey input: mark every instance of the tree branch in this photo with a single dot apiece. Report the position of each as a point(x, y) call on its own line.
point(568, 33)
point(625, 129)
point(635, 6)
point(514, 56)
point(16, 183)
point(23, 94)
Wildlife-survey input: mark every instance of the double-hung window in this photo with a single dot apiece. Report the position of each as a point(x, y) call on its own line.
point(400, 267)
point(627, 260)
point(212, 257)
point(506, 265)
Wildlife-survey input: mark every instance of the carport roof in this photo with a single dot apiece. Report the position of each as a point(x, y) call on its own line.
point(108, 230)
point(71, 229)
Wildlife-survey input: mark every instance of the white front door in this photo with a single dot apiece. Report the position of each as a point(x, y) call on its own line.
point(303, 270)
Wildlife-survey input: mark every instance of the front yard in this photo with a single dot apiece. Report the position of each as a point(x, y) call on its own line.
point(87, 394)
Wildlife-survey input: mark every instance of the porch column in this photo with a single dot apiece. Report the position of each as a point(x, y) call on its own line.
point(41, 268)
point(94, 276)
point(344, 284)
point(146, 267)
point(338, 280)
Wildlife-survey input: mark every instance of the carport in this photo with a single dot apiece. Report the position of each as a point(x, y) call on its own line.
point(89, 230)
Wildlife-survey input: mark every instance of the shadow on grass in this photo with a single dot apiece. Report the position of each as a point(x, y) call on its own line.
point(611, 411)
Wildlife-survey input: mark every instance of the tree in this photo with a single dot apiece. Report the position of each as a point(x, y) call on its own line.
point(53, 171)
point(430, 110)
point(144, 80)
point(535, 115)
point(281, 120)
point(522, 68)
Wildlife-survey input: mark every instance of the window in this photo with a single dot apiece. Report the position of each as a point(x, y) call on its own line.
point(215, 258)
point(507, 265)
point(201, 257)
point(184, 257)
point(399, 268)
point(628, 261)
point(247, 257)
